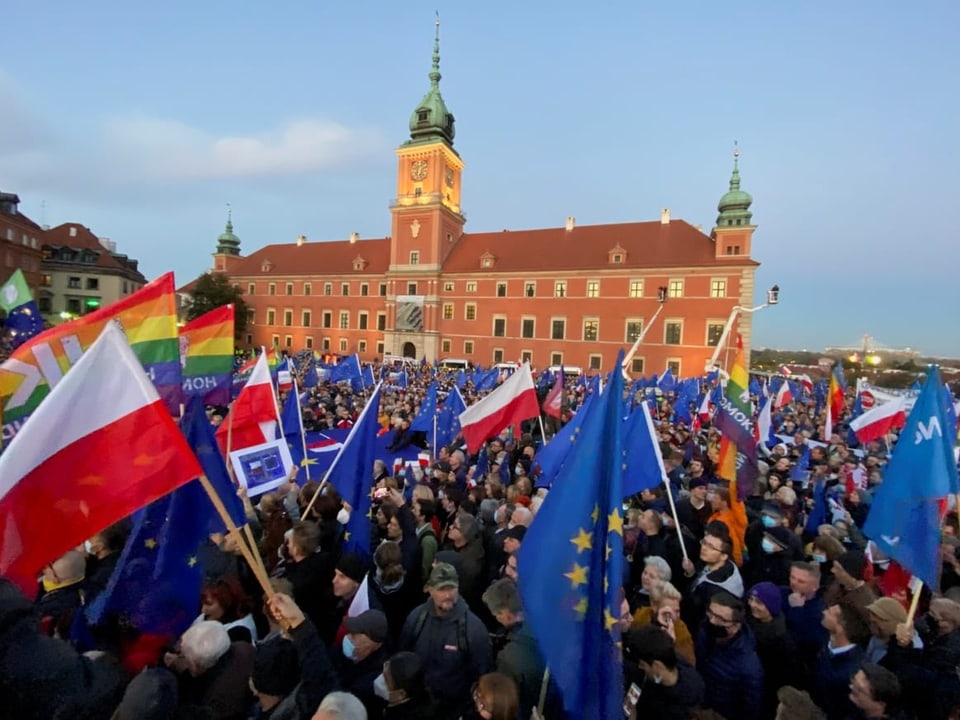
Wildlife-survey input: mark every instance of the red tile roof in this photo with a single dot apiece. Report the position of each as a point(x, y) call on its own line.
point(60, 236)
point(317, 258)
point(645, 244)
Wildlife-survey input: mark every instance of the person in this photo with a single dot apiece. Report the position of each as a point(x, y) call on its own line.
point(103, 551)
point(664, 611)
point(225, 602)
point(803, 611)
point(452, 642)
point(839, 659)
point(520, 659)
point(363, 653)
point(775, 645)
point(340, 706)
point(719, 572)
point(402, 685)
point(670, 688)
point(796, 704)
point(728, 661)
point(875, 692)
point(61, 595)
point(495, 697)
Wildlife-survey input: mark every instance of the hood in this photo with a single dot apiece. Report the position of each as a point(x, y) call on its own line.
point(15, 608)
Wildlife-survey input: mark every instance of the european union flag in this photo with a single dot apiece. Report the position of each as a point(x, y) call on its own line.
point(448, 419)
point(904, 520)
point(551, 457)
point(423, 422)
point(156, 584)
point(571, 565)
point(818, 513)
point(352, 475)
point(199, 434)
point(348, 370)
point(642, 460)
point(291, 426)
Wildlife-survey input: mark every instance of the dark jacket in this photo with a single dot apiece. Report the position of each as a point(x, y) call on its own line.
point(43, 677)
point(521, 660)
point(777, 653)
point(732, 673)
point(809, 636)
point(455, 649)
point(831, 684)
point(357, 678)
point(224, 688)
point(396, 602)
point(98, 575)
point(312, 580)
point(671, 703)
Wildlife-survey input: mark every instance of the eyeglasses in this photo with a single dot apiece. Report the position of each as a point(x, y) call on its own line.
point(704, 543)
point(719, 620)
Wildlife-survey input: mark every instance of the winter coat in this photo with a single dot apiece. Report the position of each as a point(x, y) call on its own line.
point(732, 673)
point(455, 650)
point(831, 685)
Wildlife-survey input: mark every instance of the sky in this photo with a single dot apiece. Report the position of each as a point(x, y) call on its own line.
point(143, 121)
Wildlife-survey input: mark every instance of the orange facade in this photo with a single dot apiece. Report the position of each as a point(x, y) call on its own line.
point(570, 294)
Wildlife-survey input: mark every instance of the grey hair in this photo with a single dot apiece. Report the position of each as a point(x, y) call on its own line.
point(661, 565)
point(205, 643)
point(526, 516)
point(503, 595)
point(343, 706)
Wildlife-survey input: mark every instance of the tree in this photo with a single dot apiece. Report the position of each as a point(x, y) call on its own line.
point(213, 290)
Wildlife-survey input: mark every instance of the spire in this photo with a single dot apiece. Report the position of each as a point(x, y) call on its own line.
point(431, 120)
point(734, 206)
point(227, 242)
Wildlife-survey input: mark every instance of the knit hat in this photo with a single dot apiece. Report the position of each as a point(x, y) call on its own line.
point(886, 608)
point(853, 561)
point(353, 566)
point(769, 595)
point(698, 482)
point(276, 669)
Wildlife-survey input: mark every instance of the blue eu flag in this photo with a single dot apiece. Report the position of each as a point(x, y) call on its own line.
point(448, 419)
point(156, 584)
point(423, 422)
point(571, 564)
point(904, 519)
point(352, 475)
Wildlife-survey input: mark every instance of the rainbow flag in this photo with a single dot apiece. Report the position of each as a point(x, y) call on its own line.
point(206, 354)
point(242, 374)
point(149, 319)
point(734, 420)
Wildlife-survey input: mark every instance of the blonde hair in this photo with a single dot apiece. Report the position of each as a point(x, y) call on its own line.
point(664, 591)
point(422, 492)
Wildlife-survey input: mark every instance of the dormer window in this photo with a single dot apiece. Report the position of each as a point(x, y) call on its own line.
point(266, 266)
point(487, 260)
point(616, 255)
point(359, 263)
point(617, 259)
point(423, 115)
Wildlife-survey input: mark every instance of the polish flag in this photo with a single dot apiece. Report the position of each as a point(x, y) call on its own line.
point(806, 382)
point(99, 447)
point(514, 401)
point(253, 416)
point(784, 395)
point(553, 403)
point(703, 413)
point(879, 421)
point(762, 430)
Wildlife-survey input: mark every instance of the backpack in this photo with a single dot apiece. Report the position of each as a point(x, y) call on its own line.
point(463, 645)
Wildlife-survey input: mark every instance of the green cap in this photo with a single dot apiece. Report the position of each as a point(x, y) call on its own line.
point(15, 292)
point(443, 575)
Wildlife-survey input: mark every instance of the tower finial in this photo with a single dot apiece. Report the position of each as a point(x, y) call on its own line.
point(435, 68)
point(229, 218)
point(736, 153)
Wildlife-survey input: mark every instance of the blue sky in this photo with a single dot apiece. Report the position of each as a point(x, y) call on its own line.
point(142, 121)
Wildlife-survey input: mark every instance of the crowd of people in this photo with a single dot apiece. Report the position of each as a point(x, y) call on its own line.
point(736, 609)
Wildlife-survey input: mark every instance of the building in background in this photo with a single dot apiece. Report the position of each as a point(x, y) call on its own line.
point(21, 240)
point(570, 294)
point(81, 273)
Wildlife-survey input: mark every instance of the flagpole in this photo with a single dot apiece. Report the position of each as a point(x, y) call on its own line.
point(434, 446)
point(303, 434)
point(543, 433)
point(676, 519)
point(336, 460)
point(914, 603)
point(248, 554)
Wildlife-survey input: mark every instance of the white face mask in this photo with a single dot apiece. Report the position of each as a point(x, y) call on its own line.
point(343, 517)
point(88, 546)
point(380, 687)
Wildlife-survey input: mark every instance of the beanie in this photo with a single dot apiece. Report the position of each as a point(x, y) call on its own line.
point(353, 566)
point(769, 595)
point(276, 669)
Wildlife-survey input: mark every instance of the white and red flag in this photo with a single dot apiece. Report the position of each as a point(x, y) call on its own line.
point(252, 419)
point(880, 420)
point(514, 401)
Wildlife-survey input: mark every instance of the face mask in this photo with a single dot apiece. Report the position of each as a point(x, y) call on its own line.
point(657, 679)
point(343, 517)
point(768, 522)
point(715, 631)
point(768, 546)
point(818, 558)
point(348, 647)
point(380, 688)
point(518, 469)
point(88, 546)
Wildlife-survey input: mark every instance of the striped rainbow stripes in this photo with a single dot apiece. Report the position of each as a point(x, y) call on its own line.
point(149, 320)
point(206, 351)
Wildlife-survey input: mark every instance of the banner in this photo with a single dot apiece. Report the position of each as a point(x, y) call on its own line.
point(409, 313)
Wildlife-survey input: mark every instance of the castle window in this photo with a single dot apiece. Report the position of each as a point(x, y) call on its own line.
point(423, 115)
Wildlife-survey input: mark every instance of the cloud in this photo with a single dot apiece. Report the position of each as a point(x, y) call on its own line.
point(170, 150)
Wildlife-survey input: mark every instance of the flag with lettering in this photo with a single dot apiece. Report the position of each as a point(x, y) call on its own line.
point(206, 353)
point(904, 519)
point(734, 420)
point(148, 318)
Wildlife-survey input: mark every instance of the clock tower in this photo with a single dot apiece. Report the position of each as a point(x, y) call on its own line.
point(427, 222)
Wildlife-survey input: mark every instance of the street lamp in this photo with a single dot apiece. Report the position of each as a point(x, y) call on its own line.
point(773, 298)
point(662, 299)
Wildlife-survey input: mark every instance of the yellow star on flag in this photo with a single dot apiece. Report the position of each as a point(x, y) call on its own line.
point(615, 522)
point(150, 543)
point(608, 620)
point(595, 515)
point(192, 561)
point(307, 461)
point(577, 576)
point(583, 541)
point(581, 607)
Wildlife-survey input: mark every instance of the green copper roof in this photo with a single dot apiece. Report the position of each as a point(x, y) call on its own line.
point(227, 242)
point(734, 206)
point(431, 120)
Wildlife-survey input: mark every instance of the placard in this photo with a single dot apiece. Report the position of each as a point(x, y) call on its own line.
point(261, 468)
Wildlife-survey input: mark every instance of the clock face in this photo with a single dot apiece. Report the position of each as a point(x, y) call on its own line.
point(449, 177)
point(418, 170)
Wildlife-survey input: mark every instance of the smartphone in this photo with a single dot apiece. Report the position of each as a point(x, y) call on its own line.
point(630, 703)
